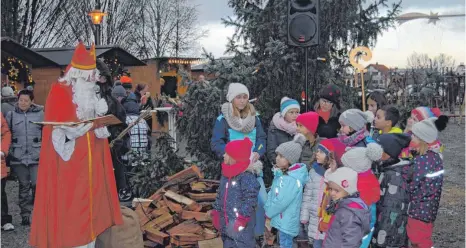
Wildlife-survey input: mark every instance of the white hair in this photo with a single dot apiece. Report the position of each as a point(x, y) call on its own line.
point(83, 84)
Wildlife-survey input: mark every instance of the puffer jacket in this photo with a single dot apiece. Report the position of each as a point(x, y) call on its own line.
point(285, 198)
point(237, 196)
point(349, 224)
point(26, 137)
point(392, 208)
point(312, 200)
point(8, 104)
point(425, 186)
point(6, 141)
point(275, 137)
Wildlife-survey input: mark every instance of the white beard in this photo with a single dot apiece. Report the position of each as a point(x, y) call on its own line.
point(85, 98)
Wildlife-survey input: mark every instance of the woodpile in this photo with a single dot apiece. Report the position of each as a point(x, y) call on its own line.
point(177, 215)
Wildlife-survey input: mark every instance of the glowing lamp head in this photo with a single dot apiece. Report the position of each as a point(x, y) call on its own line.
point(97, 16)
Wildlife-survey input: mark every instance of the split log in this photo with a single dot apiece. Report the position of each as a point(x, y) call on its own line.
point(199, 216)
point(161, 221)
point(198, 186)
point(185, 239)
point(191, 205)
point(160, 211)
point(156, 236)
point(203, 196)
point(174, 207)
point(213, 243)
point(183, 175)
point(209, 234)
point(143, 214)
point(185, 227)
point(141, 201)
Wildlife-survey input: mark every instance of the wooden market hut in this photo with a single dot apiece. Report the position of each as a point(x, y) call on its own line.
point(19, 64)
point(116, 57)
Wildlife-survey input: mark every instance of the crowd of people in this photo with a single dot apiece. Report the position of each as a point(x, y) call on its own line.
point(22, 137)
point(342, 178)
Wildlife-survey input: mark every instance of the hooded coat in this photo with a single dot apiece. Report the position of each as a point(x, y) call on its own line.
point(392, 208)
point(349, 224)
point(285, 197)
point(237, 195)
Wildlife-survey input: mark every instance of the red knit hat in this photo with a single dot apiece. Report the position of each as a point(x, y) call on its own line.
point(310, 120)
point(239, 150)
point(333, 145)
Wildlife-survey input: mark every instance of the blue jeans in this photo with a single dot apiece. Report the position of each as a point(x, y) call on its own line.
point(318, 243)
point(286, 240)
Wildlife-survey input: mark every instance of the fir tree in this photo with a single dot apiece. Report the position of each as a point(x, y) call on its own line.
point(261, 38)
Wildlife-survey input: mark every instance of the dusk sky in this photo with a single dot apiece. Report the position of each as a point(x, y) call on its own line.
point(393, 47)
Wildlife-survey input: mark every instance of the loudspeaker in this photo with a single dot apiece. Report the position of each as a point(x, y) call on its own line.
point(303, 23)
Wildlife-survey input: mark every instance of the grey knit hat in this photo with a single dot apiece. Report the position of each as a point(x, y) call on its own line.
point(291, 150)
point(118, 91)
point(426, 130)
point(356, 119)
point(360, 158)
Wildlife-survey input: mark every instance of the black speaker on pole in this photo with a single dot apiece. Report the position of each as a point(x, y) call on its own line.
point(303, 23)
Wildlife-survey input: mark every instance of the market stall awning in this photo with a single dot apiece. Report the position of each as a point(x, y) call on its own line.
point(63, 55)
point(36, 60)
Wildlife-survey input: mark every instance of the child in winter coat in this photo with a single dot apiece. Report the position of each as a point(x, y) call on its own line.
point(285, 195)
point(425, 184)
point(422, 113)
point(386, 119)
point(351, 216)
point(354, 131)
point(375, 101)
point(360, 159)
point(237, 121)
point(282, 128)
point(392, 208)
point(307, 125)
point(234, 208)
point(315, 188)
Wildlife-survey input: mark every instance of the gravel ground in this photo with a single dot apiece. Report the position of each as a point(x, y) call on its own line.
point(449, 227)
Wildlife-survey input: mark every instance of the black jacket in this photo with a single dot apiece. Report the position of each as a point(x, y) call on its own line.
point(275, 137)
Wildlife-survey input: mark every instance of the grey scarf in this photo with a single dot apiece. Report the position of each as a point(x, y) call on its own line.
point(246, 125)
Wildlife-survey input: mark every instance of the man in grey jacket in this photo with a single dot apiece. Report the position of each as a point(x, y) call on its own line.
point(25, 147)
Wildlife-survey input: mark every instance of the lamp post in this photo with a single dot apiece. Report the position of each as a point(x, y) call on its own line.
point(96, 17)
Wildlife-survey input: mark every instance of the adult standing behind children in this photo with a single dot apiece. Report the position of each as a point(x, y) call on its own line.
point(26, 144)
point(328, 108)
point(282, 128)
point(239, 120)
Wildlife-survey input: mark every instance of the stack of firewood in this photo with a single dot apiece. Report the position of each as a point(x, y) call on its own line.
point(178, 213)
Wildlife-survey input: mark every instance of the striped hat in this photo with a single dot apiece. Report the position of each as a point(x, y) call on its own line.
point(287, 103)
point(422, 113)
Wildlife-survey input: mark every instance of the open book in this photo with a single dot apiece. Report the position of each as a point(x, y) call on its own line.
point(103, 121)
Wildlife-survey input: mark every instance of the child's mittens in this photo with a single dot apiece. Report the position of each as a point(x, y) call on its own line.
point(304, 222)
point(215, 219)
point(240, 223)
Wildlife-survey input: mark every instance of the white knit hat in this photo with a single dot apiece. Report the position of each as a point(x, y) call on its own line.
point(360, 159)
point(235, 89)
point(346, 178)
point(426, 130)
point(286, 104)
point(7, 91)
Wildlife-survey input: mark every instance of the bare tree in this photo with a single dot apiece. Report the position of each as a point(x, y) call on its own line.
point(32, 23)
point(419, 61)
point(168, 28)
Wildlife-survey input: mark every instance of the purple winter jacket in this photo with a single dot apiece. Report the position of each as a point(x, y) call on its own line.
point(349, 224)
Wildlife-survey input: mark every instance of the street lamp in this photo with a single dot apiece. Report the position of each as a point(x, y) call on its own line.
point(96, 17)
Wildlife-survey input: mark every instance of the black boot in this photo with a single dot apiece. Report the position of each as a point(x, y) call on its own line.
point(26, 221)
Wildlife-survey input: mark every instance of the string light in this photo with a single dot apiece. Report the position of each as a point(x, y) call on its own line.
point(17, 71)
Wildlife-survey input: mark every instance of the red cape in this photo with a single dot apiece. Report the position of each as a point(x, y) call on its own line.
point(75, 200)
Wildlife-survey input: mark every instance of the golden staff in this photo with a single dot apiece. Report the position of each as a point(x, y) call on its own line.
point(365, 54)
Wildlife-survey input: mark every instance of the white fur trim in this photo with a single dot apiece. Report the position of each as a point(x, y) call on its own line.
point(102, 133)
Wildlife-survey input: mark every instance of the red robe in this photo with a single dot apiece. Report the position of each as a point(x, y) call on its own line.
point(75, 200)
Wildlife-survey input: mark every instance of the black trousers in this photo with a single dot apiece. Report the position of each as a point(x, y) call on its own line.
point(6, 218)
point(119, 170)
